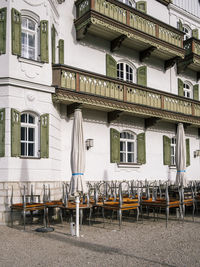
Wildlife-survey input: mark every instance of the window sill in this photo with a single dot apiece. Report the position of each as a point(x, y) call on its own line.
point(24, 157)
point(30, 61)
point(129, 165)
point(172, 167)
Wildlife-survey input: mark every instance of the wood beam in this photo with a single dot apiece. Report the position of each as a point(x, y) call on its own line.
point(183, 65)
point(116, 43)
point(199, 132)
point(71, 108)
point(150, 122)
point(145, 54)
point(113, 115)
point(170, 62)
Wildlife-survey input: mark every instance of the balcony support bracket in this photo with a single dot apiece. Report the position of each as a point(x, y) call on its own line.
point(145, 54)
point(150, 122)
point(113, 115)
point(82, 32)
point(171, 62)
point(71, 108)
point(116, 43)
point(183, 65)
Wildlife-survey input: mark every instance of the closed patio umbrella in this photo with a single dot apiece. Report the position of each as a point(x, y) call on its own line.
point(180, 156)
point(77, 184)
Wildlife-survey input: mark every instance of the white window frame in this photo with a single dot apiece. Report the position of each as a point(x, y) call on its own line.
point(173, 151)
point(35, 18)
point(187, 92)
point(126, 152)
point(124, 72)
point(34, 126)
point(188, 32)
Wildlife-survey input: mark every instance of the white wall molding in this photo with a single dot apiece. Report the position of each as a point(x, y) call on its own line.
point(27, 85)
point(179, 11)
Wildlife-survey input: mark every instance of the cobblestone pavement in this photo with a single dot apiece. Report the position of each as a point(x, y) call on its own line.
point(137, 244)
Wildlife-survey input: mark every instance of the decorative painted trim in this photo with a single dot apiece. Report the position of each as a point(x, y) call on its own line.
point(66, 96)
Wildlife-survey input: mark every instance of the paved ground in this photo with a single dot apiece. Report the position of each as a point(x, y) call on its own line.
point(137, 244)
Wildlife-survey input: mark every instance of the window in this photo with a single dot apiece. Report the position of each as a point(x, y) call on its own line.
point(125, 72)
point(29, 38)
point(187, 31)
point(187, 90)
point(128, 2)
point(29, 135)
point(173, 150)
point(128, 147)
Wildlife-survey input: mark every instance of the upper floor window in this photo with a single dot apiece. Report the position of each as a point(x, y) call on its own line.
point(187, 31)
point(29, 135)
point(128, 153)
point(187, 89)
point(128, 2)
point(29, 38)
point(125, 72)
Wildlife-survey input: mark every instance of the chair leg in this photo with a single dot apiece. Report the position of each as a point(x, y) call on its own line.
point(61, 216)
point(167, 215)
point(24, 219)
point(138, 213)
point(103, 216)
point(90, 215)
point(11, 215)
point(120, 218)
point(193, 211)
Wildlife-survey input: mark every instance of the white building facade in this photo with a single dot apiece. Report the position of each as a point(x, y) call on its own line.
point(133, 67)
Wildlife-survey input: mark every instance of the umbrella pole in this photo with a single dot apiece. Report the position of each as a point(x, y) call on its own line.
point(77, 215)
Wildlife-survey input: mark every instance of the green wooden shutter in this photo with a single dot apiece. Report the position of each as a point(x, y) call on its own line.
point(187, 141)
point(3, 14)
point(2, 132)
point(15, 133)
point(141, 148)
point(16, 32)
point(111, 66)
point(180, 25)
point(180, 87)
point(53, 44)
point(61, 51)
point(166, 150)
point(142, 75)
point(196, 92)
point(114, 146)
point(44, 136)
point(195, 33)
point(44, 47)
point(142, 6)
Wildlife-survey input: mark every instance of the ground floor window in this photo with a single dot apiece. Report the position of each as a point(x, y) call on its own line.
point(128, 147)
point(29, 135)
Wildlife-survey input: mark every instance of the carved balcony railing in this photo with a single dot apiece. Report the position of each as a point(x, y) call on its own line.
point(91, 89)
point(123, 25)
point(192, 57)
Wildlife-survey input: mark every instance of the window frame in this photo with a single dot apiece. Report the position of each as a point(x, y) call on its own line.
point(188, 90)
point(126, 152)
point(36, 140)
point(35, 18)
point(173, 151)
point(133, 4)
point(124, 71)
point(189, 34)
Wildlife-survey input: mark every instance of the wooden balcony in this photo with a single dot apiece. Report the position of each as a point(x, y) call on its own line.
point(124, 25)
point(192, 57)
point(91, 90)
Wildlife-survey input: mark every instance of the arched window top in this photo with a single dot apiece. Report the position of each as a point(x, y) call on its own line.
point(127, 135)
point(187, 30)
point(30, 14)
point(128, 2)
